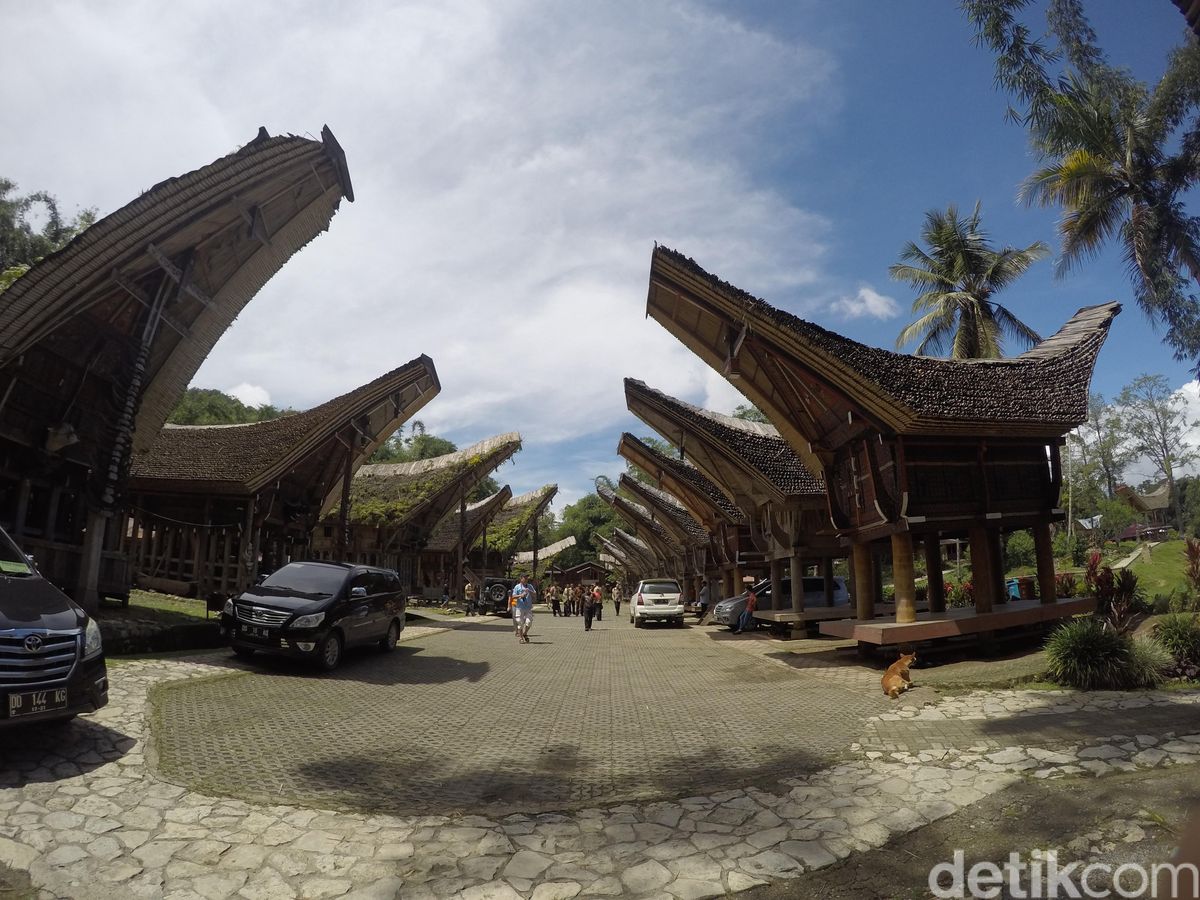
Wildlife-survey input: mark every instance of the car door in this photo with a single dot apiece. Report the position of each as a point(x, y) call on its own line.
point(358, 623)
point(380, 597)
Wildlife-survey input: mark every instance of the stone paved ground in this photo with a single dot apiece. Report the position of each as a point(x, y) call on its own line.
point(473, 720)
point(84, 815)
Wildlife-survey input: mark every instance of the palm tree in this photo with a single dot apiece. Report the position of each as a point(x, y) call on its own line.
point(1108, 170)
point(957, 275)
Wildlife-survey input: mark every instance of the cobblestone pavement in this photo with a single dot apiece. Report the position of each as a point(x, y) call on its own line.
point(82, 812)
point(474, 720)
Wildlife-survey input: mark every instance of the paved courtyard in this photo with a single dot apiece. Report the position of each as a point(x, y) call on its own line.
point(86, 811)
point(473, 720)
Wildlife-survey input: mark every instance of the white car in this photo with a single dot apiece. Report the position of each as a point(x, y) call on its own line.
point(656, 600)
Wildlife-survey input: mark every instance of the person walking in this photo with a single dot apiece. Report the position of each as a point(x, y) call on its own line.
point(523, 595)
point(555, 605)
point(470, 598)
point(617, 597)
point(577, 595)
point(598, 597)
point(589, 610)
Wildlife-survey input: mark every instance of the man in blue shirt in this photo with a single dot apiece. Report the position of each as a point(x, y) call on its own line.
point(523, 595)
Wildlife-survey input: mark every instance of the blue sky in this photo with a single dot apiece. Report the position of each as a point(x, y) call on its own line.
point(515, 162)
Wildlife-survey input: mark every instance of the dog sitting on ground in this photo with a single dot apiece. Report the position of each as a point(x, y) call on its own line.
point(896, 679)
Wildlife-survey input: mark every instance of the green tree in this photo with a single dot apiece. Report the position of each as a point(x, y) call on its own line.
point(1119, 157)
point(419, 444)
point(1156, 419)
point(750, 413)
point(1103, 444)
point(22, 241)
point(957, 276)
point(584, 518)
point(208, 406)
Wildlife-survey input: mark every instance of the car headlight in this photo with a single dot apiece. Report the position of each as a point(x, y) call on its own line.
point(92, 643)
point(228, 610)
point(308, 621)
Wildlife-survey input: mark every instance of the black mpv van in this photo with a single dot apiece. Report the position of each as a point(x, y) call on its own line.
point(51, 657)
point(315, 610)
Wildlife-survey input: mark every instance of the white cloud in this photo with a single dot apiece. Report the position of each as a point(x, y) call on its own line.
point(513, 164)
point(250, 394)
point(866, 302)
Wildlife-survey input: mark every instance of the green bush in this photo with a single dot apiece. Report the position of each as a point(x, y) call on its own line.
point(1019, 550)
point(1179, 633)
point(1072, 547)
point(1082, 653)
point(1148, 663)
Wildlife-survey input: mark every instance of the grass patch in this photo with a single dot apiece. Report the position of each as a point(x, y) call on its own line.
point(152, 606)
point(1164, 572)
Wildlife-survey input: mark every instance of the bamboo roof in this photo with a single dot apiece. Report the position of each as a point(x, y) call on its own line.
point(1159, 498)
point(667, 510)
point(814, 383)
point(643, 522)
point(397, 493)
point(243, 459)
point(205, 242)
point(635, 549)
point(707, 502)
point(547, 552)
point(445, 537)
point(511, 524)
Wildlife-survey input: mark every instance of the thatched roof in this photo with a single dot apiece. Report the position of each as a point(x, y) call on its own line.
point(206, 241)
point(242, 459)
point(394, 493)
point(642, 521)
point(509, 527)
point(1159, 498)
point(547, 552)
point(668, 510)
point(1043, 391)
point(691, 486)
point(445, 537)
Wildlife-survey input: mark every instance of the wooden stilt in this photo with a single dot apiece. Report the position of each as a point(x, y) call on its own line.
point(981, 569)
point(935, 593)
point(864, 580)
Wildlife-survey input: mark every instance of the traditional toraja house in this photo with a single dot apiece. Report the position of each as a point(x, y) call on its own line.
point(1155, 506)
point(588, 572)
point(669, 554)
point(498, 547)
point(395, 507)
point(785, 514)
point(637, 551)
point(99, 340)
point(688, 534)
point(911, 448)
point(621, 556)
point(211, 506)
point(727, 527)
point(443, 554)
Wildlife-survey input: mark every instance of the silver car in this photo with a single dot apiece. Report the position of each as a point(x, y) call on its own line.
point(727, 612)
point(656, 600)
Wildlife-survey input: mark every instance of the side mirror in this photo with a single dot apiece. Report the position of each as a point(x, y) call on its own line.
point(260, 579)
point(357, 593)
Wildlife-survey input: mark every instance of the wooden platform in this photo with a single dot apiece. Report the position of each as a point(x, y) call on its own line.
point(955, 622)
point(810, 614)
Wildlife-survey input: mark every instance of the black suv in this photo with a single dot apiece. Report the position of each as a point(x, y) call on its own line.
point(51, 658)
point(315, 610)
point(495, 595)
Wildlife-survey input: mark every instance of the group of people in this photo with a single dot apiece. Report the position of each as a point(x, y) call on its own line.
point(569, 600)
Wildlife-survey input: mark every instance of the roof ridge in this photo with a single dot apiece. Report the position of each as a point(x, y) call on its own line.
point(421, 466)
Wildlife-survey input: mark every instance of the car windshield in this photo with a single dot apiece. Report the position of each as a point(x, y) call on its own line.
point(660, 587)
point(306, 579)
point(12, 560)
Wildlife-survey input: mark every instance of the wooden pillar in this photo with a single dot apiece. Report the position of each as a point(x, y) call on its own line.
point(24, 486)
point(87, 592)
point(1000, 586)
point(981, 569)
point(936, 591)
point(1047, 588)
point(727, 578)
point(459, 586)
point(902, 577)
point(777, 584)
point(535, 549)
point(797, 585)
point(827, 574)
point(51, 523)
point(864, 580)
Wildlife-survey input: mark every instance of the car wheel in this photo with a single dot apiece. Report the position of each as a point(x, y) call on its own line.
point(329, 651)
point(243, 652)
point(637, 623)
point(388, 642)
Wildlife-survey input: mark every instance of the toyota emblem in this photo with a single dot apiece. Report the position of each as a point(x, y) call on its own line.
point(33, 643)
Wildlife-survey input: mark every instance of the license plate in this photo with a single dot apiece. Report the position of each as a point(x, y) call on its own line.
point(256, 632)
point(36, 702)
point(660, 602)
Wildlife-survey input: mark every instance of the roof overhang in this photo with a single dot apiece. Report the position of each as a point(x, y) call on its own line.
point(702, 502)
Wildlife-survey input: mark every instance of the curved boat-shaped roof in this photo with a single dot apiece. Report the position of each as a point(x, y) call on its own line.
point(245, 458)
point(642, 520)
point(755, 446)
point(395, 494)
point(510, 525)
point(688, 484)
point(668, 510)
point(548, 552)
point(1043, 391)
point(445, 537)
point(635, 549)
point(201, 244)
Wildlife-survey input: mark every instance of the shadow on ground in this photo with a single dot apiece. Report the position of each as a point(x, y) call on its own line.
point(53, 751)
point(407, 664)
